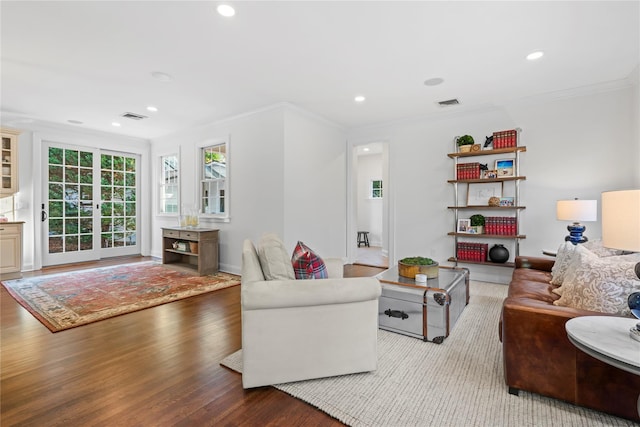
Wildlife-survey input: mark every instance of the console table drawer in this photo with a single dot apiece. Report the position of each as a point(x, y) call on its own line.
point(170, 233)
point(189, 235)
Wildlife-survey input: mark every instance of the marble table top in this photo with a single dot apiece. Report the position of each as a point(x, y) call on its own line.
point(608, 339)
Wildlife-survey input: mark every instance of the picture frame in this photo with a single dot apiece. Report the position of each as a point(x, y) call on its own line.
point(478, 194)
point(464, 225)
point(504, 167)
point(507, 201)
point(489, 174)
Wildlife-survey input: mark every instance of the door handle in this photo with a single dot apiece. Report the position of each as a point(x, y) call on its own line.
point(396, 313)
point(43, 214)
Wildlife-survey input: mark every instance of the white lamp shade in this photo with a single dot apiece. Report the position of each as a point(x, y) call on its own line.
point(621, 220)
point(577, 210)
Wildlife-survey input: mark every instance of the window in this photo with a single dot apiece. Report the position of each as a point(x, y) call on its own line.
point(6, 208)
point(169, 184)
point(376, 189)
point(214, 184)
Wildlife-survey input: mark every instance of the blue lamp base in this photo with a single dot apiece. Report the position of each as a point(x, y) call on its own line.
point(575, 233)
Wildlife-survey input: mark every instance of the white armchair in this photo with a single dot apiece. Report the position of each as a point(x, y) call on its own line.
point(295, 330)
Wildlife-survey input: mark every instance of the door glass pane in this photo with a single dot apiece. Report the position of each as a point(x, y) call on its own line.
point(118, 194)
point(66, 169)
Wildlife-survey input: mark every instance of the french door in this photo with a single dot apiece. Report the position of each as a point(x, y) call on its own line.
point(89, 208)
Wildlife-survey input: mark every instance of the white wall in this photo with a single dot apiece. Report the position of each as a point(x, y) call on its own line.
point(578, 145)
point(286, 176)
point(370, 210)
point(288, 172)
point(256, 178)
point(315, 183)
point(29, 198)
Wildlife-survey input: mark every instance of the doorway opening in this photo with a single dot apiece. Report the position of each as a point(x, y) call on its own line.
point(370, 203)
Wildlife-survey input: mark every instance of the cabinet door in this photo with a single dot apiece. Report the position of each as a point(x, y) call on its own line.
point(10, 253)
point(9, 162)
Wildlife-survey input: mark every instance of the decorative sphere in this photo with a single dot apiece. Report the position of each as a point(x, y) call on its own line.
point(498, 253)
point(494, 201)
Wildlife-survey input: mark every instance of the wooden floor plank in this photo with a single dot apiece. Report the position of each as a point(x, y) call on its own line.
point(159, 366)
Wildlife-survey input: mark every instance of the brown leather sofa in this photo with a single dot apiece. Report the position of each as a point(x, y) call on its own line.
point(538, 356)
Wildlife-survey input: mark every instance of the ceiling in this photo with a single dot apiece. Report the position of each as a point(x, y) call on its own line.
point(91, 61)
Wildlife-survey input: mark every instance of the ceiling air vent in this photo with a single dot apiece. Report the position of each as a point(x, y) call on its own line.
point(448, 102)
point(134, 116)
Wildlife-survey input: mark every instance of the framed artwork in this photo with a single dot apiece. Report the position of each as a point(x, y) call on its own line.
point(506, 201)
point(464, 226)
point(478, 194)
point(504, 167)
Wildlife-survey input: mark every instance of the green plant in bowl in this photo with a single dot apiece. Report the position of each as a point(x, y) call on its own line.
point(476, 220)
point(410, 266)
point(464, 140)
point(477, 223)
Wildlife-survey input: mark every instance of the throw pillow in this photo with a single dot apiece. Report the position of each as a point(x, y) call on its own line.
point(564, 257)
point(600, 284)
point(274, 259)
point(307, 264)
point(597, 248)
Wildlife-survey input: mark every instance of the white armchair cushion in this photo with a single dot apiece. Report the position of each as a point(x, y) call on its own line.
point(274, 260)
point(308, 292)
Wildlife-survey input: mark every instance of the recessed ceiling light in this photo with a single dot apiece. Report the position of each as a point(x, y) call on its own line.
point(365, 149)
point(535, 55)
point(359, 98)
point(75, 122)
point(161, 77)
point(226, 10)
point(116, 124)
point(433, 82)
point(152, 108)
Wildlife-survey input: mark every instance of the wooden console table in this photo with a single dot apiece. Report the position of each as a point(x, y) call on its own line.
point(198, 248)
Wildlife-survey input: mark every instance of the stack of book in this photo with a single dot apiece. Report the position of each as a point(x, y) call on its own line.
point(505, 139)
point(468, 171)
point(500, 225)
point(467, 251)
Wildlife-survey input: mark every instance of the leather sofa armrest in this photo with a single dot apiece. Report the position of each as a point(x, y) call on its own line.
point(536, 263)
point(273, 294)
point(537, 353)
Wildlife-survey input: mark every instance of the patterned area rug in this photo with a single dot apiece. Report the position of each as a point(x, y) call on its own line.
point(457, 383)
point(66, 300)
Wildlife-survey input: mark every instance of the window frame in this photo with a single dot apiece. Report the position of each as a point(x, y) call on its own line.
point(373, 189)
point(162, 185)
point(219, 217)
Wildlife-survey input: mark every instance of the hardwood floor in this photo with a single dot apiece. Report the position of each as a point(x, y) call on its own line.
point(155, 367)
point(371, 256)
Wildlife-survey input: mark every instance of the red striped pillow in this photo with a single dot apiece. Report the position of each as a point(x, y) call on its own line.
point(307, 264)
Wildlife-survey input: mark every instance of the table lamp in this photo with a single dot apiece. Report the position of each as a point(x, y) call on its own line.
point(576, 211)
point(621, 230)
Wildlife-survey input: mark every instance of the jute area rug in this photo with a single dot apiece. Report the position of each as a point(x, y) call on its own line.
point(457, 383)
point(66, 300)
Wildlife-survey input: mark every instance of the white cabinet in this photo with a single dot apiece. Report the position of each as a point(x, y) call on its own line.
point(10, 247)
point(9, 162)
